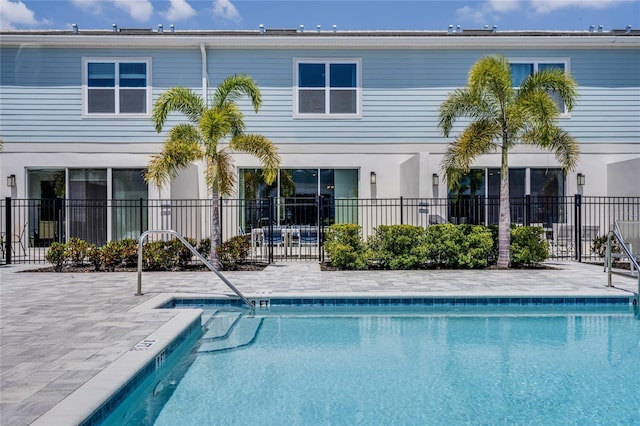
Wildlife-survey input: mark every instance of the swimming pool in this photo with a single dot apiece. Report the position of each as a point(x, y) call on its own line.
point(500, 364)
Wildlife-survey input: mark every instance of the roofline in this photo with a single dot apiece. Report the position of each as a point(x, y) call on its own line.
point(290, 39)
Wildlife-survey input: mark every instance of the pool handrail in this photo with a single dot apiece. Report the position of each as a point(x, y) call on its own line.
point(184, 241)
point(616, 232)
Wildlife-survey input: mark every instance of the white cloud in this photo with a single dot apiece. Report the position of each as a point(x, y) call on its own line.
point(546, 6)
point(140, 10)
point(468, 13)
point(87, 5)
point(492, 10)
point(15, 12)
point(226, 10)
point(179, 10)
point(501, 6)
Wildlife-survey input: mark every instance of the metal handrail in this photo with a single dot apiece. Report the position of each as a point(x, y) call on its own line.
point(616, 233)
point(145, 234)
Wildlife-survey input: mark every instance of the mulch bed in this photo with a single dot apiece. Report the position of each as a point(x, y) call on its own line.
point(191, 268)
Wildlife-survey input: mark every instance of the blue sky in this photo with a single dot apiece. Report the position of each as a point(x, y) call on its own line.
point(345, 14)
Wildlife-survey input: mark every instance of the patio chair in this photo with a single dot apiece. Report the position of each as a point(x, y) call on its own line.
point(17, 240)
point(273, 238)
point(563, 239)
point(309, 235)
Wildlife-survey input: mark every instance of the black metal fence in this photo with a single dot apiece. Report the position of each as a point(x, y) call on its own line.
point(291, 229)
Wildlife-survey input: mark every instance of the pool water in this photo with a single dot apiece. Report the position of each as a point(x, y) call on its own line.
point(309, 366)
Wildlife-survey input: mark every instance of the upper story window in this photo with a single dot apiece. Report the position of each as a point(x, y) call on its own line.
point(327, 88)
point(116, 86)
point(521, 69)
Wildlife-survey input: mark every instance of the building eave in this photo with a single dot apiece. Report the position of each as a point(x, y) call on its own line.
point(342, 40)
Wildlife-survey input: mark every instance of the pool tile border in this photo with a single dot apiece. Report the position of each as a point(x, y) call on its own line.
point(407, 301)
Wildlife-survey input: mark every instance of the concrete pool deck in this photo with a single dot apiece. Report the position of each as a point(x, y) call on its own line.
point(60, 330)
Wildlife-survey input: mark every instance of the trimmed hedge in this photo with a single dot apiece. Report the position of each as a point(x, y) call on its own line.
point(344, 245)
point(437, 246)
point(156, 255)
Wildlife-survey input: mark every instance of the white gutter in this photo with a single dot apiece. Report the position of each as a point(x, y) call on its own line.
point(205, 78)
point(226, 41)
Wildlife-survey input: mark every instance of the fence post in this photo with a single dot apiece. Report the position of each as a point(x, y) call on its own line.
point(220, 215)
point(319, 208)
point(7, 229)
point(61, 211)
point(578, 229)
point(401, 211)
point(270, 225)
point(140, 216)
point(527, 210)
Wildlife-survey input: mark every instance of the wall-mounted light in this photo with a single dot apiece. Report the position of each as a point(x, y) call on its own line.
point(11, 181)
point(372, 178)
point(435, 180)
point(581, 179)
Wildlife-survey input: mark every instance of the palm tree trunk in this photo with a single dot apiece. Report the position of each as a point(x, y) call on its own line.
point(215, 230)
point(504, 223)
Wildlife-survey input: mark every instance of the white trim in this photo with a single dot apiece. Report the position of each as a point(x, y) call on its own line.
point(115, 60)
point(327, 61)
point(346, 39)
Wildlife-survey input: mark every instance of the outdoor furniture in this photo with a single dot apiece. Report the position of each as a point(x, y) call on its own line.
point(563, 238)
point(309, 235)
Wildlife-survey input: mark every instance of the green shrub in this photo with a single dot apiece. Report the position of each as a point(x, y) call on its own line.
point(398, 246)
point(159, 256)
point(457, 246)
point(182, 253)
point(111, 255)
point(94, 255)
point(128, 252)
point(77, 251)
point(344, 246)
point(599, 246)
point(442, 245)
point(234, 251)
point(57, 256)
point(528, 246)
point(476, 246)
point(204, 247)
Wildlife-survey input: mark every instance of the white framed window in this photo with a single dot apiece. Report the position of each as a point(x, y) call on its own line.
point(327, 88)
point(522, 68)
point(116, 86)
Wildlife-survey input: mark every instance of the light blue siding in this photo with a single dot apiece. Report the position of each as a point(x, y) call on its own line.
point(401, 93)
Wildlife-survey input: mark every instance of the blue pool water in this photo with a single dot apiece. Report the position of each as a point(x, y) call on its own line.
point(302, 366)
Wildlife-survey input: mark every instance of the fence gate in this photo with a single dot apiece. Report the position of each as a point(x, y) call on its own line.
point(281, 229)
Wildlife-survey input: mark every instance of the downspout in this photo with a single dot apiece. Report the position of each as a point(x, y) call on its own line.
point(205, 79)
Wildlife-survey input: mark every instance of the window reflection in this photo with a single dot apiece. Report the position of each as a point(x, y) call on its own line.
point(295, 196)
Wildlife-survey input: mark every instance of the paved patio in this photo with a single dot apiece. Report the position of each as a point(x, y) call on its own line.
point(60, 330)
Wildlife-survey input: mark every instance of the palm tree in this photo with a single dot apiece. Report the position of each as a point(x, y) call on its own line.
point(213, 132)
point(502, 116)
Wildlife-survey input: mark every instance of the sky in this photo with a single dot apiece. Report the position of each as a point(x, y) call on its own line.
point(345, 14)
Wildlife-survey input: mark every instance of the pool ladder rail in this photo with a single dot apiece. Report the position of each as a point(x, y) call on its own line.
point(184, 241)
point(632, 228)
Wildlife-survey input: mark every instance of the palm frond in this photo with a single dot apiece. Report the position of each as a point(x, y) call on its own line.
point(551, 81)
point(177, 99)
point(236, 86)
point(176, 154)
point(263, 149)
point(214, 126)
point(564, 146)
point(460, 103)
point(490, 78)
point(477, 139)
